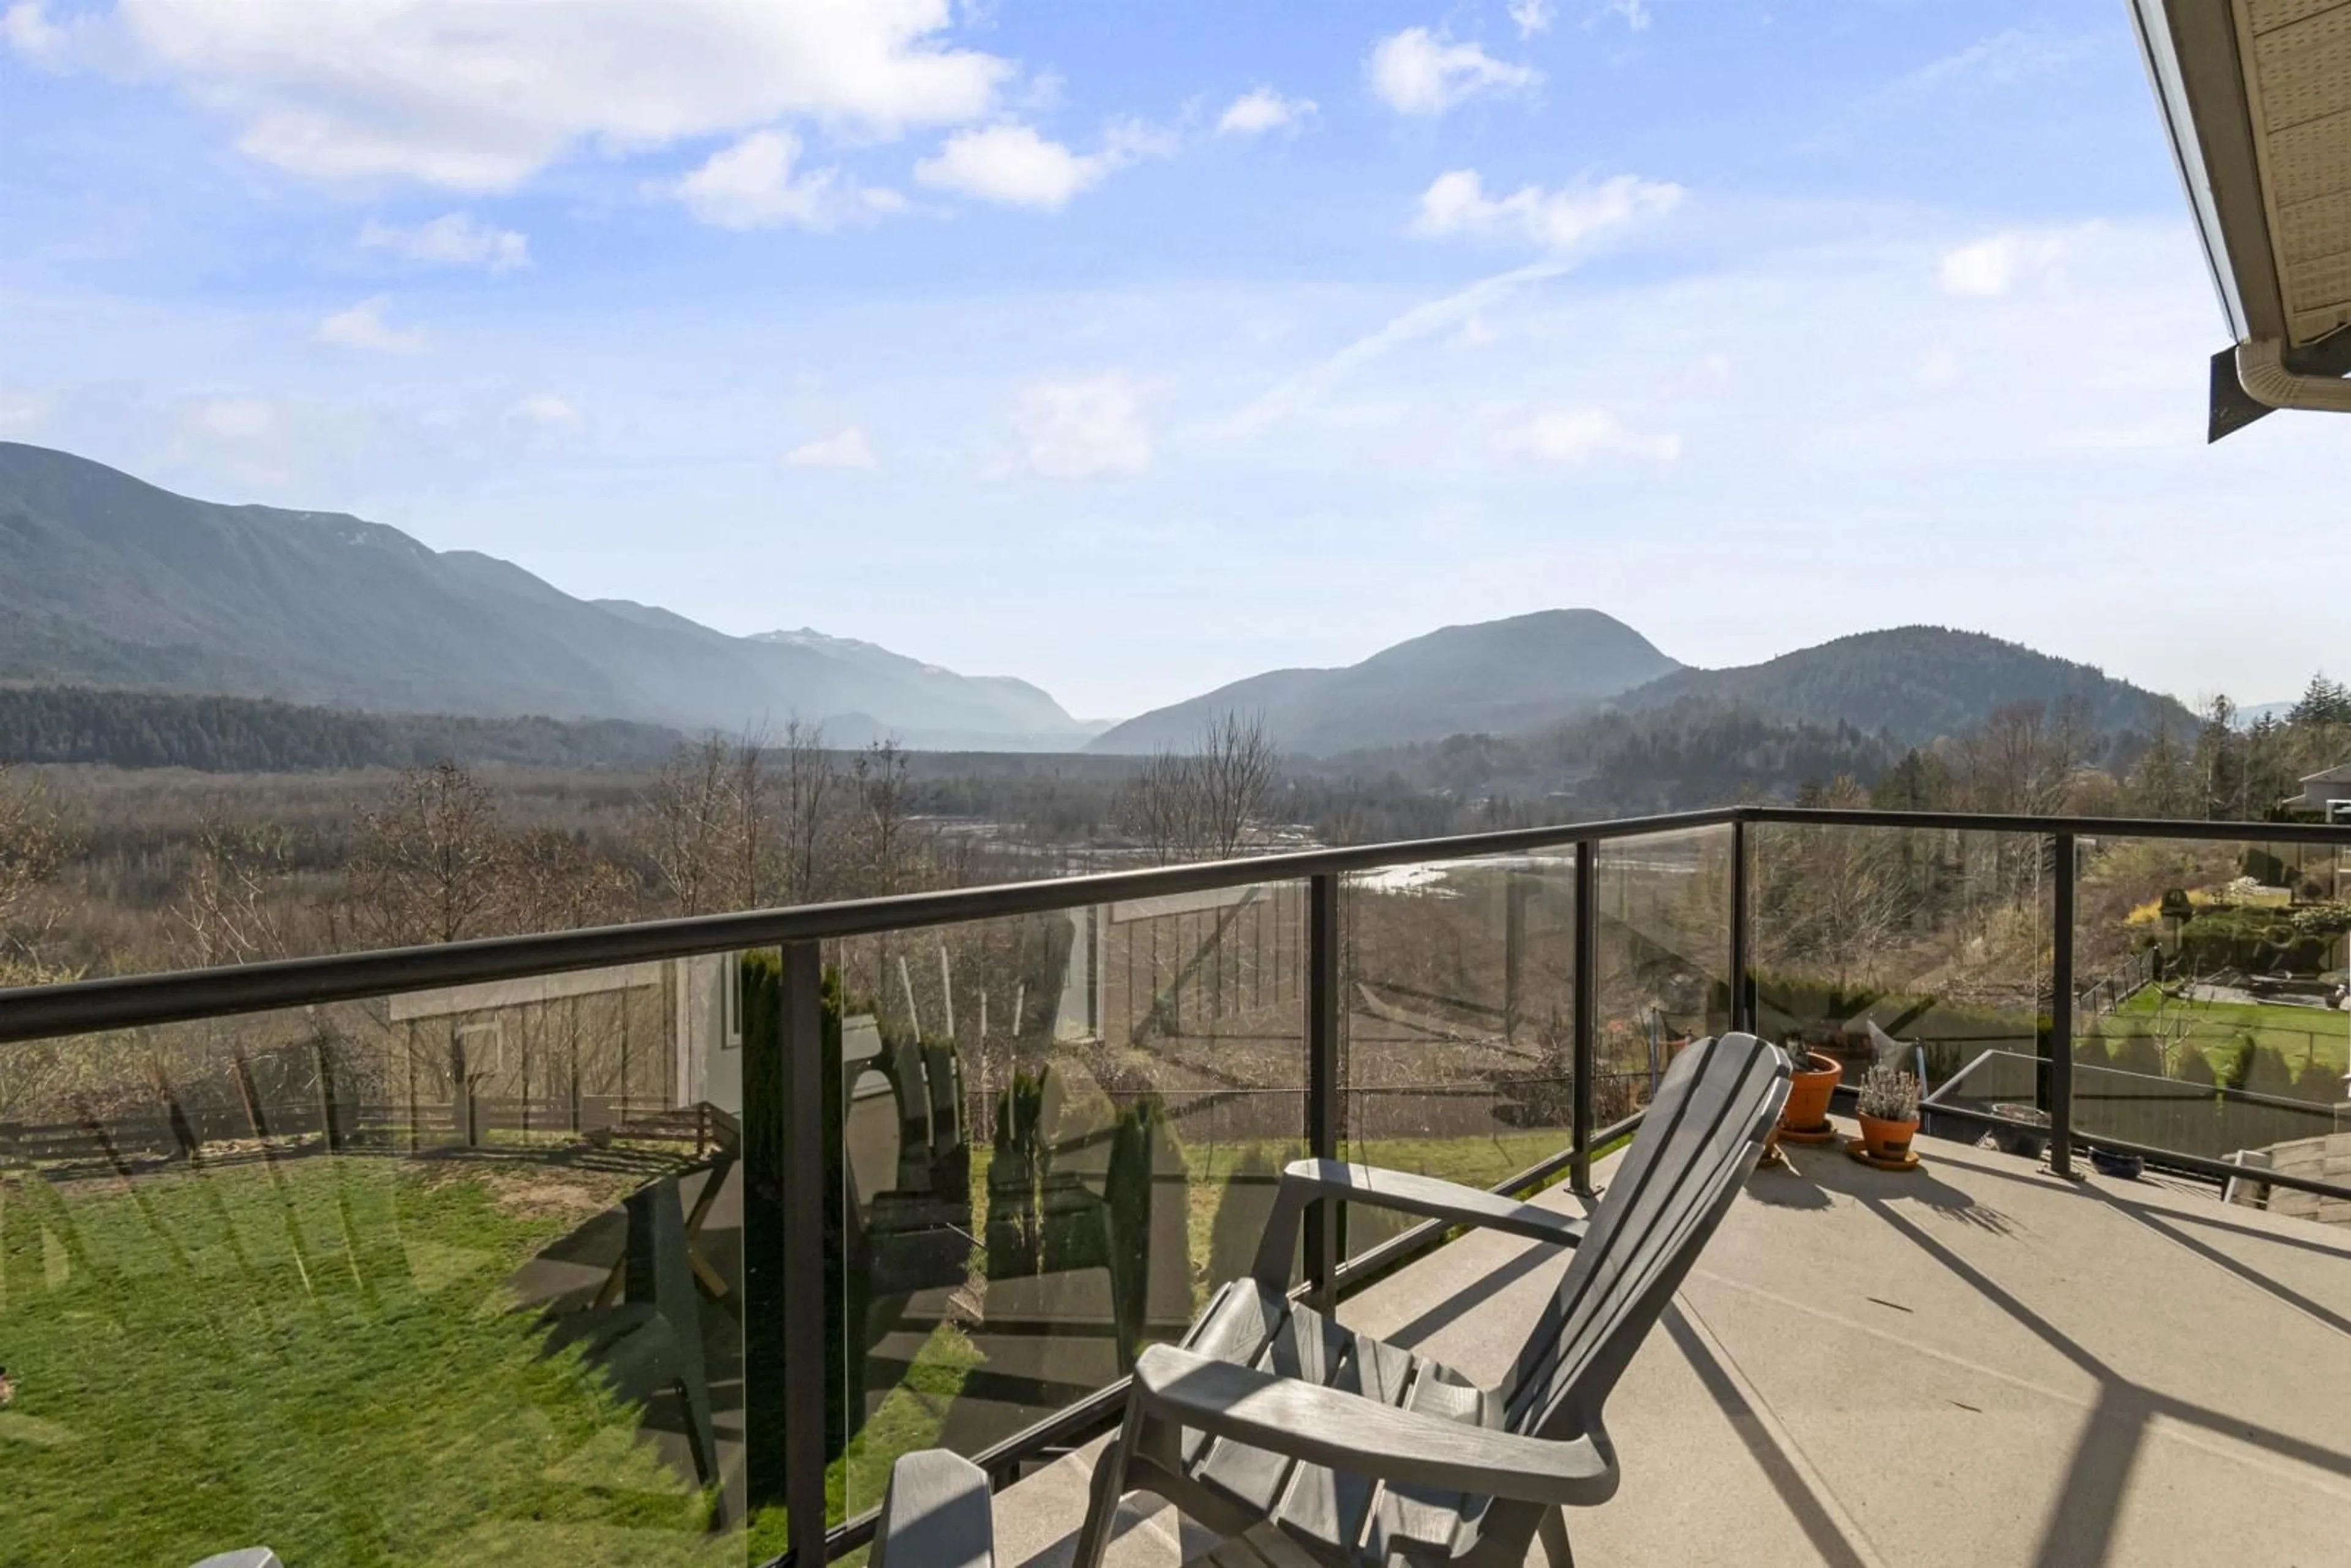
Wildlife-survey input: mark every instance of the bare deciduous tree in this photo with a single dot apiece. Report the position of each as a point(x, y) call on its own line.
point(551, 881)
point(2025, 757)
point(428, 865)
point(1203, 803)
point(747, 837)
point(885, 847)
point(687, 815)
point(230, 909)
point(33, 847)
point(806, 799)
point(1839, 899)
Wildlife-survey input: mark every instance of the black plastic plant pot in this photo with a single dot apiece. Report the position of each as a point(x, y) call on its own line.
point(2021, 1131)
point(2109, 1163)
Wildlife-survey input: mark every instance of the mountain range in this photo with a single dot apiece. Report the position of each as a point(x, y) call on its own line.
point(1502, 677)
point(111, 581)
point(1532, 672)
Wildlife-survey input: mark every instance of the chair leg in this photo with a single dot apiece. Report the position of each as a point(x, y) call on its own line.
point(1109, 1486)
point(1553, 1532)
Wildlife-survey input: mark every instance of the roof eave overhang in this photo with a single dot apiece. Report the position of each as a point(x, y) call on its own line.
point(2191, 49)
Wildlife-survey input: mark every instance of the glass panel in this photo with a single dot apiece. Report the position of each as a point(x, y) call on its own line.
point(450, 1277)
point(1062, 1133)
point(1663, 903)
point(1458, 1021)
point(1936, 939)
point(2209, 981)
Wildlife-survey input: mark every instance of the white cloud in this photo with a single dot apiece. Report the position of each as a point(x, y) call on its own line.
point(1012, 164)
point(846, 449)
point(2004, 59)
point(24, 412)
point(547, 410)
point(479, 95)
point(1577, 435)
point(1457, 204)
point(1634, 11)
point(1418, 72)
point(453, 239)
point(1075, 429)
point(752, 186)
point(229, 418)
point(1533, 17)
point(363, 326)
point(1254, 113)
point(1306, 389)
point(27, 29)
point(1997, 263)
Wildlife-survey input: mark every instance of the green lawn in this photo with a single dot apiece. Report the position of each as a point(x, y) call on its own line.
point(320, 1357)
point(2297, 1033)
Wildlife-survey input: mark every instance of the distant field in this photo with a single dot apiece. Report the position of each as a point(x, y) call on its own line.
point(2299, 1034)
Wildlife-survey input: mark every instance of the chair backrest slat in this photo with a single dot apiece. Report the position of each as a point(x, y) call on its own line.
point(1698, 1140)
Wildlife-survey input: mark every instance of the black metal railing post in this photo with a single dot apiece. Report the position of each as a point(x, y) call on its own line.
point(806, 1355)
point(1587, 1016)
point(1742, 983)
point(1324, 1088)
point(2061, 1006)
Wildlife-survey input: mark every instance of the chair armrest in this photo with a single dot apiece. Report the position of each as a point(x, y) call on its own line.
point(935, 1514)
point(1302, 1181)
point(1362, 1436)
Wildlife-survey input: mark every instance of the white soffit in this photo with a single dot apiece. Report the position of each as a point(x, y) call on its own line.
point(2297, 60)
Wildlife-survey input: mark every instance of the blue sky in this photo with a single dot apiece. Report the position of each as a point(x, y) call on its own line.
point(1132, 347)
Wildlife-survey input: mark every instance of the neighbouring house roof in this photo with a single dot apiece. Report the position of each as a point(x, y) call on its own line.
point(2257, 97)
point(2318, 788)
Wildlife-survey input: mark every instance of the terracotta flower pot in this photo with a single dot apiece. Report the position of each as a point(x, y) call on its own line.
point(1815, 1079)
point(1887, 1140)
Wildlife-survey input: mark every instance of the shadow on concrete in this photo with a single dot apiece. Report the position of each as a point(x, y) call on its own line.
point(1468, 1298)
point(2080, 1527)
point(1819, 1528)
point(2161, 1224)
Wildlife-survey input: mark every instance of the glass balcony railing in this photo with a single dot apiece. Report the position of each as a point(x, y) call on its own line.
point(550, 1248)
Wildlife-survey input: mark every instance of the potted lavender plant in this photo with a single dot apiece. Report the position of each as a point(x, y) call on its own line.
point(1889, 1113)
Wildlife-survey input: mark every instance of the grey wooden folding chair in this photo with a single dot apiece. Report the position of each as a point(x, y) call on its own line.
point(1272, 1416)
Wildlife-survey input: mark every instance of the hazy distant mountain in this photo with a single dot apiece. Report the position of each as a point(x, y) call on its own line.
point(1914, 683)
point(111, 581)
point(1532, 672)
point(1499, 676)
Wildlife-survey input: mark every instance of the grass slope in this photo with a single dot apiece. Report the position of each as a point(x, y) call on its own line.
point(319, 1356)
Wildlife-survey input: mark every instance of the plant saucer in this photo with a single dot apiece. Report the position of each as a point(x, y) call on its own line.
point(1860, 1151)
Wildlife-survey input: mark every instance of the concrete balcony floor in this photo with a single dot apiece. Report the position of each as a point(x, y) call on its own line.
point(1973, 1363)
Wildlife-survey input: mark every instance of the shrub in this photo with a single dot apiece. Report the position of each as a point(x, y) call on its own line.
point(1147, 1169)
point(2318, 1081)
point(2139, 1053)
point(2270, 1074)
point(2236, 1060)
